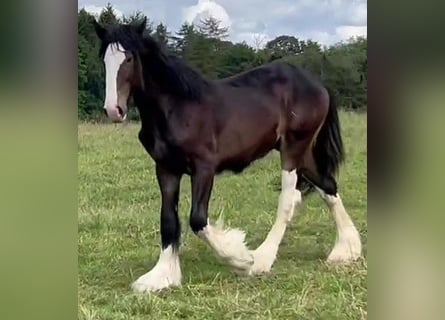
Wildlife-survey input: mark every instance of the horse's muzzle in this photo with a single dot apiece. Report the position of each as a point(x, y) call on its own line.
point(116, 114)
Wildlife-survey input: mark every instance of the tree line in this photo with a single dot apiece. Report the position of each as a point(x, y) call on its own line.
point(205, 46)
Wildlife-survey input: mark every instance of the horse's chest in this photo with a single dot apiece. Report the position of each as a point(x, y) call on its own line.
point(164, 152)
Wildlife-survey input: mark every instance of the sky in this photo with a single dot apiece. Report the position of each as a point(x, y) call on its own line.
point(255, 21)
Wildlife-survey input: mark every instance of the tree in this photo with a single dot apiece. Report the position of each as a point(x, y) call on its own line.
point(183, 37)
point(237, 58)
point(211, 28)
point(136, 18)
point(311, 57)
point(203, 47)
point(346, 72)
point(82, 76)
point(259, 41)
point(200, 53)
point(85, 26)
point(108, 15)
point(90, 67)
point(283, 46)
point(309, 46)
point(162, 34)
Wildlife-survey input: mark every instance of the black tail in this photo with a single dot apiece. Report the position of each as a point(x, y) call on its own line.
point(328, 149)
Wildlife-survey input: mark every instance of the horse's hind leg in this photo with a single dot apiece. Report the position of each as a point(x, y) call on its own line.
point(347, 246)
point(289, 198)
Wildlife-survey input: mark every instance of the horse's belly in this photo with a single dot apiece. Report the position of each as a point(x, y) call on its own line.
point(239, 152)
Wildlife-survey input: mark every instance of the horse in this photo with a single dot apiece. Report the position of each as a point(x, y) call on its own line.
point(195, 126)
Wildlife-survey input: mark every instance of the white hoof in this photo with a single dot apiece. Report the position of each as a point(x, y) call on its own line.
point(166, 274)
point(263, 260)
point(154, 281)
point(347, 249)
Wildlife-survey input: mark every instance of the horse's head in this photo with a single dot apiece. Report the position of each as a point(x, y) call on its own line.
point(121, 47)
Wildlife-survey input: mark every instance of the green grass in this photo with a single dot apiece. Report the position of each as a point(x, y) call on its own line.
point(119, 238)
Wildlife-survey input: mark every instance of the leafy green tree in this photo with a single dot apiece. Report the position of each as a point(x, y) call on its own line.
point(162, 35)
point(309, 57)
point(183, 37)
point(85, 27)
point(237, 58)
point(108, 15)
point(283, 46)
point(201, 48)
point(262, 56)
point(200, 53)
point(346, 72)
point(136, 18)
point(81, 76)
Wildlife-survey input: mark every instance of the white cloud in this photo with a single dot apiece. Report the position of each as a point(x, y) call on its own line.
point(354, 13)
point(287, 10)
point(360, 14)
point(342, 12)
point(346, 32)
point(248, 25)
point(342, 33)
point(322, 37)
point(206, 8)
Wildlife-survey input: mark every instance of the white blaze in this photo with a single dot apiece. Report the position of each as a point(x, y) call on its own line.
point(114, 56)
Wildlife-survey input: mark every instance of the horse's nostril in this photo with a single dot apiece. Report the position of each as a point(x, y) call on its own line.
point(121, 112)
point(105, 110)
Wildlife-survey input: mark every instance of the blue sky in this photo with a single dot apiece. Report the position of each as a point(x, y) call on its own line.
point(256, 21)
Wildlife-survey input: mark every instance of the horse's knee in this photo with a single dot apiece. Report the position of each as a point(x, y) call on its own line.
point(198, 221)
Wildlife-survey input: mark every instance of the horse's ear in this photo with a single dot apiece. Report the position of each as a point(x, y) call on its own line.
point(100, 31)
point(140, 28)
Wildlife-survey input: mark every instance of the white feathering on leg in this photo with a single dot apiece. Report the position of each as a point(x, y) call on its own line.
point(228, 244)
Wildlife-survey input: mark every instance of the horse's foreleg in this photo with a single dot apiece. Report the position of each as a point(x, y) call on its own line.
point(227, 243)
point(167, 271)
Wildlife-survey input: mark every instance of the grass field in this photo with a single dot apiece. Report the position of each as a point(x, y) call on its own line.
point(119, 238)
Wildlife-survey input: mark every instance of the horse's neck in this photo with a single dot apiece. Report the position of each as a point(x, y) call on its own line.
point(171, 77)
point(154, 68)
point(150, 109)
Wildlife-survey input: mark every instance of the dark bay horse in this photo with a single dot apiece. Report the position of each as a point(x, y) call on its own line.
point(194, 126)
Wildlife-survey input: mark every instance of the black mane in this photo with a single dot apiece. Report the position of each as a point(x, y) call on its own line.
point(167, 71)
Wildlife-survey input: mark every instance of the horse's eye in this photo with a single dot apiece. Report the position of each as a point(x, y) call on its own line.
point(129, 59)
